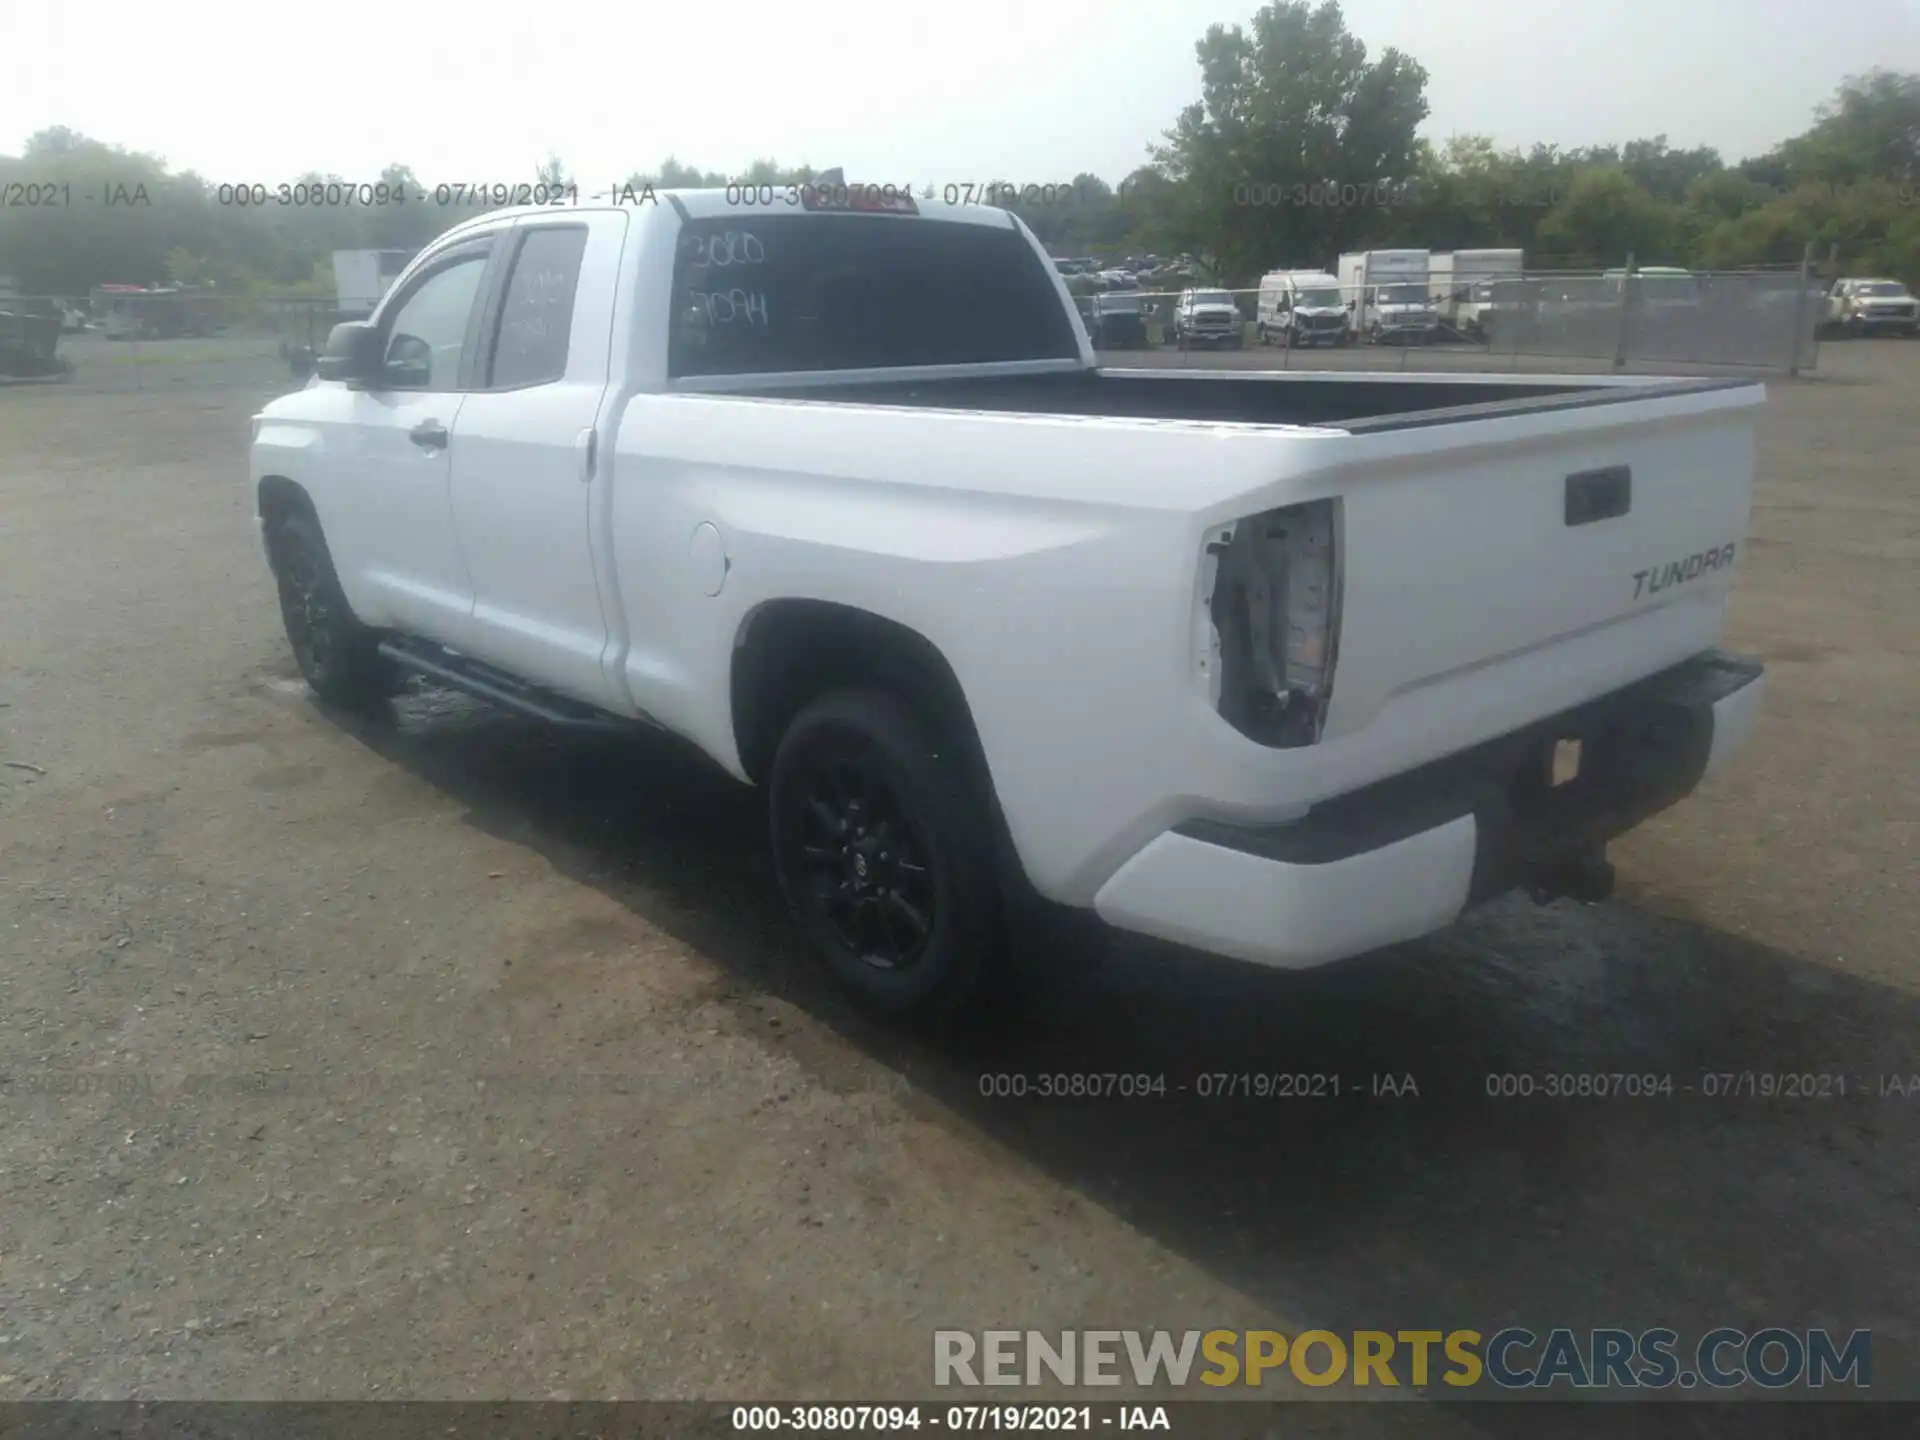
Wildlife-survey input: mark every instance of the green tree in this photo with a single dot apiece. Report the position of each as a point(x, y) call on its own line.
point(1605, 216)
point(1668, 174)
point(405, 225)
point(1869, 131)
point(116, 228)
point(672, 175)
point(1290, 104)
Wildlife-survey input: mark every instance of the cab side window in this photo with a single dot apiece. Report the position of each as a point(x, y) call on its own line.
point(426, 340)
point(536, 313)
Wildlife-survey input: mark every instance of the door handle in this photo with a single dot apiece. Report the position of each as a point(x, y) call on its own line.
point(429, 435)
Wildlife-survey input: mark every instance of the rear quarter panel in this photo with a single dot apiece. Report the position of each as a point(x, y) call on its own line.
point(1057, 564)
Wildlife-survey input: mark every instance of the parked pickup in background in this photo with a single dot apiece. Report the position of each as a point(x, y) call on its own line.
point(1119, 320)
point(1872, 307)
point(1285, 667)
point(1208, 317)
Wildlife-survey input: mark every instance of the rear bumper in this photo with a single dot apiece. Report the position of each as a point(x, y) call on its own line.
point(1405, 857)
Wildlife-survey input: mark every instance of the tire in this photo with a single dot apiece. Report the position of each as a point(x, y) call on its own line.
point(337, 655)
point(885, 856)
point(1239, 342)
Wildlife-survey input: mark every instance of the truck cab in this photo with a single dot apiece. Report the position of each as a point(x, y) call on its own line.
point(1463, 285)
point(1388, 295)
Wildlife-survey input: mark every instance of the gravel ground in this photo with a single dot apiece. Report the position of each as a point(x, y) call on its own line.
point(448, 1059)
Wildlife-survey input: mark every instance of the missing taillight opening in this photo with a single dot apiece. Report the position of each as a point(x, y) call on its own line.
point(1275, 610)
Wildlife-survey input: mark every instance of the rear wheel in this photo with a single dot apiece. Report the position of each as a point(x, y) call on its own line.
point(884, 855)
point(338, 656)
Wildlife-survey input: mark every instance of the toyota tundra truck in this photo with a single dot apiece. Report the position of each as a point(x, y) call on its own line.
point(1280, 666)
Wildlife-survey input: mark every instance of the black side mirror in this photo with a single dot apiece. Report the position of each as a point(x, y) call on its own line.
point(352, 354)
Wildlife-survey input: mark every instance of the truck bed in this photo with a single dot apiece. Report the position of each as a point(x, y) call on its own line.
point(1357, 403)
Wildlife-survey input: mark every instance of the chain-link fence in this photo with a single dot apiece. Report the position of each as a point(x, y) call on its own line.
point(129, 340)
point(1761, 320)
point(1614, 319)
point(1765, 321)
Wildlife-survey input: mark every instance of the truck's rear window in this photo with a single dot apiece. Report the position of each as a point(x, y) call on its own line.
point(771, 293)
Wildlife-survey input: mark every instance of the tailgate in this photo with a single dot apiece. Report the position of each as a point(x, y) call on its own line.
point(1508, 563)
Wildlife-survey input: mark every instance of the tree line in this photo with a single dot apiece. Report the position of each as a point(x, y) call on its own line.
point(1301, 145)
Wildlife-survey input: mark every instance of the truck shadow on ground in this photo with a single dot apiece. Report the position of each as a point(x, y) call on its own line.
point(1412, 1198)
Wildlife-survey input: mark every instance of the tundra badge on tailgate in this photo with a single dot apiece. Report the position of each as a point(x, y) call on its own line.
point(1678, 572)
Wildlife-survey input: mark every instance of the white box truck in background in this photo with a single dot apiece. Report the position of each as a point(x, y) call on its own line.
point(361, 277)
point(1387, 295)
point(1462, 284)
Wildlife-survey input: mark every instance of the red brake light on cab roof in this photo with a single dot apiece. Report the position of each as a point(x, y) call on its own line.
point(864, 199)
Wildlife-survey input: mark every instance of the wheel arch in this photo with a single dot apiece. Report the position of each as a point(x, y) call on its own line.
point(277, 497)
point(787, 652)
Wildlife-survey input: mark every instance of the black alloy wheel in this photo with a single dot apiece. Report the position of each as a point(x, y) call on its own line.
point(866, 865)
point(883, 854)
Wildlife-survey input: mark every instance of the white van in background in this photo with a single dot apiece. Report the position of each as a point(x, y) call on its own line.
point(1301, 307)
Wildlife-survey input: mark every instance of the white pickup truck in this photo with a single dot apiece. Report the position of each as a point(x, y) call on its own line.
point(1285, 667)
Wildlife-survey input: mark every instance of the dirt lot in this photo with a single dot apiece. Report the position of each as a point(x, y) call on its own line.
point(455, 1060)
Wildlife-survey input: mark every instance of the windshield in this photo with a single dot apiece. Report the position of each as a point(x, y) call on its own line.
point(1884, 287)
point(1212, 297)
point(1324, 298)
point(1403, 294)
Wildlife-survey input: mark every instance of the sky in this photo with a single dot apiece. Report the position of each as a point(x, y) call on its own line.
point(892, 92)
